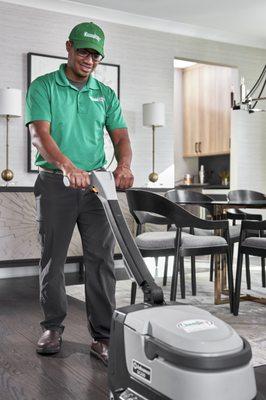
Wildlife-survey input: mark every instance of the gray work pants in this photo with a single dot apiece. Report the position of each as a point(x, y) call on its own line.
point(59, 208)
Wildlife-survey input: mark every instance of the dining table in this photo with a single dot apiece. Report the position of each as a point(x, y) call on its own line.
point(219, 212)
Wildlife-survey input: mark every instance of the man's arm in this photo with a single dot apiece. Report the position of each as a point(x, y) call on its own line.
point(123, 154)
point(47, 147)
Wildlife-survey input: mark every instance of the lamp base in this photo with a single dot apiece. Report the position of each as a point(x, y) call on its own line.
point(7, 175)
point(153, 177)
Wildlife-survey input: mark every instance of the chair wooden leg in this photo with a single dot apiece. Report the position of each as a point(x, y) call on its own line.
point(133, 292)
point(165, 271)
point(211, 267)
point(156, 261)
point(230, 279)
point(174, 278)
point(238, 282)
point(182, 278)
point(263, 272)
point(193, 276)
point(248, 272)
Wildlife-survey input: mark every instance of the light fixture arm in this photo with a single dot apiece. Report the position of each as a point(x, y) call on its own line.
point(246, 102)
point(257, 83)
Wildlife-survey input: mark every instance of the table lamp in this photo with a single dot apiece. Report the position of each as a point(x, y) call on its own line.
point(154, 116)
point(10, 106)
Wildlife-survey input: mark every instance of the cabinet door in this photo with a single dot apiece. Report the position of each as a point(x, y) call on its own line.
point(223, 122)
point(214, 109)
point(207, 111)
point(190, 111)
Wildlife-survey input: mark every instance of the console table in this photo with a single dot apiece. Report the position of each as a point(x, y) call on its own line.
point(19, 244)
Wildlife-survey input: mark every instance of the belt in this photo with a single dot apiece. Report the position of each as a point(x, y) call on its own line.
point(51, 171)
point(58, 171)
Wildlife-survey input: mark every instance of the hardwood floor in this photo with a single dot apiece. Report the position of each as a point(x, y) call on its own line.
point(70, 375)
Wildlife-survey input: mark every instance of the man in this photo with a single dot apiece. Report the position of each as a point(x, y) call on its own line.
point(66, 112)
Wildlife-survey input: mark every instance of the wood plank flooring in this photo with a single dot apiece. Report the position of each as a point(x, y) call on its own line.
point(70, 375)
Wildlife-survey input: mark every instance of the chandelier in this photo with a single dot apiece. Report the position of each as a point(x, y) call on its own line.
point(251, 100)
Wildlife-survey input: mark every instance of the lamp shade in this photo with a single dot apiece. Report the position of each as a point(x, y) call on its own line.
point(10, 102)
point(153, 114)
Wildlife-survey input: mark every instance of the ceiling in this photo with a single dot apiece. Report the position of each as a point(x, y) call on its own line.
point(244, 18)
point(230, 21)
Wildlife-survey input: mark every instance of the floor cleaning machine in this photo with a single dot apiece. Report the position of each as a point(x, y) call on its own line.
point(161, 351)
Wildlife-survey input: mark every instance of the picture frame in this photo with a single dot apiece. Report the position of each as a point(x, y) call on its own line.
point(40, 64)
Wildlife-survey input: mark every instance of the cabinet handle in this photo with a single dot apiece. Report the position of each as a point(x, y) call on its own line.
point(199, 147)
point(196, 147)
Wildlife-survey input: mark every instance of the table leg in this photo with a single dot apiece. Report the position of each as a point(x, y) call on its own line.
point(217, 280)
point(224, 272)
point(220, 265)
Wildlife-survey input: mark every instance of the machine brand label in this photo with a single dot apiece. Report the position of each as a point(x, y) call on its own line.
point(141, 370)
point(196, 325)
point(130, 394)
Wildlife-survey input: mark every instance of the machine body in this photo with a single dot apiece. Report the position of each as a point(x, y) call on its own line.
point(173, 351)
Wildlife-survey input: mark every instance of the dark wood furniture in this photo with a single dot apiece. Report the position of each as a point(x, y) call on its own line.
point(255, 246)
point(220, 208)
point(185, 244)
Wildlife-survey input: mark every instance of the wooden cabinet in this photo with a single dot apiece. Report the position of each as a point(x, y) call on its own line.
point(191, 100)
point(206, 110)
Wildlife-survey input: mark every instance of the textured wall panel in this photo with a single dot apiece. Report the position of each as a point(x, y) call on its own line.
point(146, 60)
point(19, 230)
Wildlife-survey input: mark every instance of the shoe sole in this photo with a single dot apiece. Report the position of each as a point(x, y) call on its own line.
point(47, 351)
point(97, 355)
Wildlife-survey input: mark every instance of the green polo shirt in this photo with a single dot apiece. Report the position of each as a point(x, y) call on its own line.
point(77, 118)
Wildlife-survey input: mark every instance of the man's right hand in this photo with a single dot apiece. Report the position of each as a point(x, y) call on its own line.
point(78, 178)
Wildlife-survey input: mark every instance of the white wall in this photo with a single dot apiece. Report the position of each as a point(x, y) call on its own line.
point(146, 60)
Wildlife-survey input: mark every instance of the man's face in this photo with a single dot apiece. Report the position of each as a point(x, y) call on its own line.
point(82, 61)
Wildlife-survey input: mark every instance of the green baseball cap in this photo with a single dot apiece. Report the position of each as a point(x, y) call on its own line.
point(87, 35)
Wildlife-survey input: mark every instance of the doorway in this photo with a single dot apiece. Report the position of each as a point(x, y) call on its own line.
point(202, 122)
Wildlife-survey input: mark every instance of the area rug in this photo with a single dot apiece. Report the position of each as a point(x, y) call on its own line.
point(250, 323)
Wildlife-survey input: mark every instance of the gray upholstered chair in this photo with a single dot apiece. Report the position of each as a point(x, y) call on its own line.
point(255, 246)
point(179, 243)
point(161, 242)
point(237, 214)
point(180, 196)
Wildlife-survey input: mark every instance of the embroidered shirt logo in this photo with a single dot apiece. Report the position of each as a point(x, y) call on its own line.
point(100, 99)
point(92, 35)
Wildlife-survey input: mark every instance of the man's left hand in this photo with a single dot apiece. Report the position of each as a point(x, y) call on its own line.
point(123, 177)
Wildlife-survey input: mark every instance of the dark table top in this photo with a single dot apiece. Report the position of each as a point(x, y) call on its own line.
point(228, 203)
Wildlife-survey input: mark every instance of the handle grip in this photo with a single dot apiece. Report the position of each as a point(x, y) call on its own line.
point(91, 188)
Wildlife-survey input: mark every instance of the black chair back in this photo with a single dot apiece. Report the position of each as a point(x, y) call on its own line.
point(180, 196)
point(142, 200)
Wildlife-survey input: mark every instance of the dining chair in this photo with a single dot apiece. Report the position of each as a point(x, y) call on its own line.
point(183, 243)
point(142, 219)
point(255, 246)
point(244, 196)
point(180, 196)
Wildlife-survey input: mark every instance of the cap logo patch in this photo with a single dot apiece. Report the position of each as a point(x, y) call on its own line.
point(92, 35)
